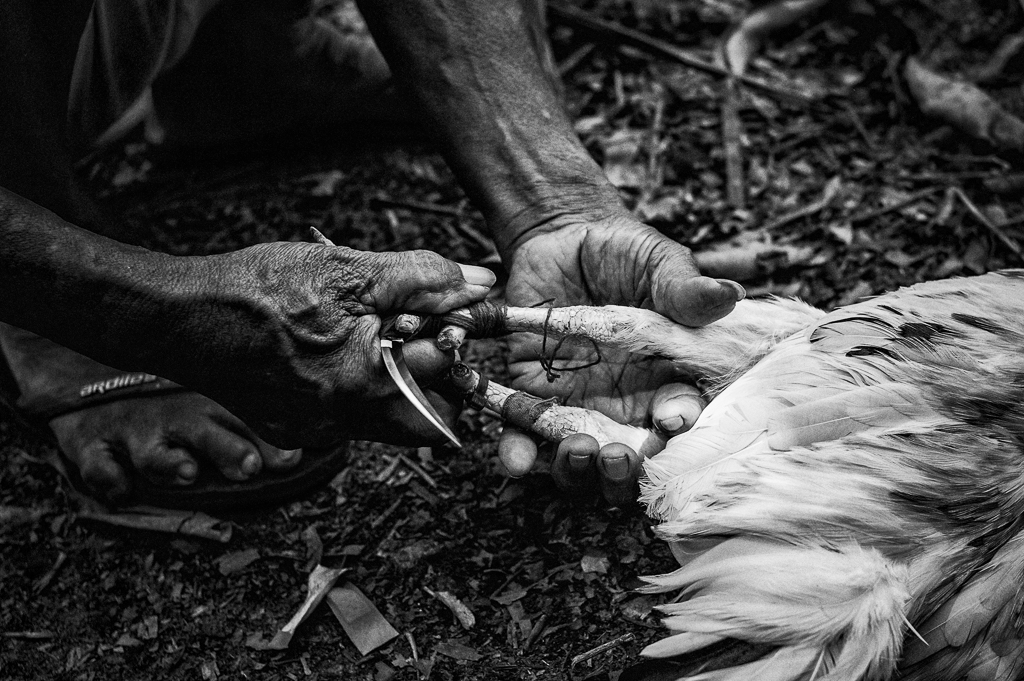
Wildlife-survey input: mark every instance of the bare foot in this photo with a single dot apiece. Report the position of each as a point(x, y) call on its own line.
point(164, 438)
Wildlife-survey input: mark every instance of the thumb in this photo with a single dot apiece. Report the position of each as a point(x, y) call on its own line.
point(427, 363)
point(684, 296)
point(425, 282)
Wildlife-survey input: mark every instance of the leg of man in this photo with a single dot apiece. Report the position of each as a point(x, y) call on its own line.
point(162, 437)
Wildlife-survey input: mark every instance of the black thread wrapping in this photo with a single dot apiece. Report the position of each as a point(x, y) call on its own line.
point(548, 363)
point(488, 320)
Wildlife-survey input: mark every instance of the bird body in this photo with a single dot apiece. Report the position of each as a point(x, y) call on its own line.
point(852, 502)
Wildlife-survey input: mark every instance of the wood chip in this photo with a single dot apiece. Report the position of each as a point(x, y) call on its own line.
point(594, 563)
point(359, 617)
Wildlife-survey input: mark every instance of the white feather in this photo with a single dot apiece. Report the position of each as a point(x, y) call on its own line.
point(864, 477)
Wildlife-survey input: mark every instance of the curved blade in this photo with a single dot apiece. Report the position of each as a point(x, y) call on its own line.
point(394, 360)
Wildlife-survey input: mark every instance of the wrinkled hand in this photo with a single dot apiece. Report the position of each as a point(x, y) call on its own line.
point(288, 334)
point(622, 262)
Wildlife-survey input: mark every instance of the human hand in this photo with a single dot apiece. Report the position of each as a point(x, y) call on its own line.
point(285, 336)
point(613, 261)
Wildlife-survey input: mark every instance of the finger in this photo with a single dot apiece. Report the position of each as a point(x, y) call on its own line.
point(573, 469)
point(619, 469)
point(425, 282)
point(675, 407)
point(699, 300)
point(427, 363)
point(517, 451)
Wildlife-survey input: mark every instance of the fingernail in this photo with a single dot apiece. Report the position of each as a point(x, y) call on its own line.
point(251, 464)
point(289, 454)
point(739, 291)
point(617, 467)
point(579, 462)
point(672, 423)
point(479, 276)
point(188, 471)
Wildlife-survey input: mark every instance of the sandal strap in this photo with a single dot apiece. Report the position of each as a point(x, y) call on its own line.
point(52, 380)
point(117, 386)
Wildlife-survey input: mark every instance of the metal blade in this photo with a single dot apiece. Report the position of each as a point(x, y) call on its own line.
point(391, 352)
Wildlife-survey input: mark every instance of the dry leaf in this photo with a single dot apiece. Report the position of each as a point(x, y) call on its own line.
point(314, 547)
point(594, 562)
point(192, 523)
point(510, 596)
point(319, 584)
point(457, 651)
point(363, 623)
point(233, 562)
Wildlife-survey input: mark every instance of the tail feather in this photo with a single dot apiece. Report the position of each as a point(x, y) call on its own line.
point(681, 644)
point(845, 606)
point(784, 664)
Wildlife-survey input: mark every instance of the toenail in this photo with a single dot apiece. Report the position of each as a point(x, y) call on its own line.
point(251, 464)
point(188, 471)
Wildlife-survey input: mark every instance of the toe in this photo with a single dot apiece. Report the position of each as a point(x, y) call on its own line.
point(162, 462)
point(101, 474)
point(275, 459)
point(236, 457)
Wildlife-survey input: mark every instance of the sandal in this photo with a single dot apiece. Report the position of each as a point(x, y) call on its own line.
point(42, 380)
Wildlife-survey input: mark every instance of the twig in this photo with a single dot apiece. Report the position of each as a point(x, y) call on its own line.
point(29, 635)
point(732, 132)
point(535, 632)
point(412, 646)
point(376, 522)
point(45, 580)
point(515, 573)
point(575, 59)
point(415, 468)
point(585, 20)
point(603, 648)
point(878, 212)
point(389, 471)
point(991, 226)
point(421, 206)
point(827, 196)
point(858, 125)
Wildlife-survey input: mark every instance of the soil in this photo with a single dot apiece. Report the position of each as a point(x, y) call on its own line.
point(865, 192)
